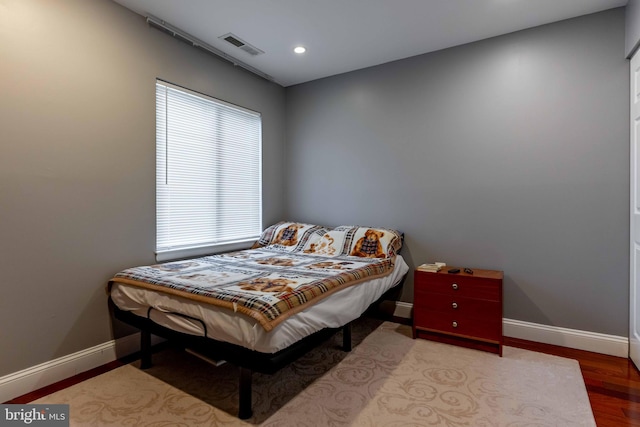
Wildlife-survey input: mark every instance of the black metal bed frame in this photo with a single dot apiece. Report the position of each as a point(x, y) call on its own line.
point(248, 361)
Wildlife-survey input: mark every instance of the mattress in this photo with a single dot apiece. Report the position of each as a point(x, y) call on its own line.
point(225, 325)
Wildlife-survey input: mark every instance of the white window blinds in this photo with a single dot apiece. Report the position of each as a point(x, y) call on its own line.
point(208, 173)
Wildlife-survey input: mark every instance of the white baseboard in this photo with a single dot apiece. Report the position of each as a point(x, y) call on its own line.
point(572, 338)
point(582, 340)
point(403, 309)
point(44, 374)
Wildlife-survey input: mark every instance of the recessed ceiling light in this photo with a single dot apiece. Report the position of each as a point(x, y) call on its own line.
point(300, 49)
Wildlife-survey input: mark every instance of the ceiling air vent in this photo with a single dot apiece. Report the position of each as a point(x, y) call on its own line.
point(176, 32)
point(241, 44)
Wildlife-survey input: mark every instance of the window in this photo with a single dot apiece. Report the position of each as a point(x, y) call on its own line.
point(208, 174)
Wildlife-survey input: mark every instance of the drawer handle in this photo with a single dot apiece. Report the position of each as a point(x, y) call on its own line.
point(454, 324)
point(454, 305)
point(455, 286)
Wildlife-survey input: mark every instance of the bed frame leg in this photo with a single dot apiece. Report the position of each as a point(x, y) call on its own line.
point(245, 394)
point(145, 349)
point(346, 337)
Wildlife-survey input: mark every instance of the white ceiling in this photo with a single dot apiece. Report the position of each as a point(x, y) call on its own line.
point(346, 35)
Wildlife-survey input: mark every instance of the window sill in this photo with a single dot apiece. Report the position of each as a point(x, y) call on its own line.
point(175, 254)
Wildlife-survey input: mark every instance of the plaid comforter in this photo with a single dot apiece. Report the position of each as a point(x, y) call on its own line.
point(266, 284)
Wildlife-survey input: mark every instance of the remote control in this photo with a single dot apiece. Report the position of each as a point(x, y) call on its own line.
point(468, 271)
point(453, 270)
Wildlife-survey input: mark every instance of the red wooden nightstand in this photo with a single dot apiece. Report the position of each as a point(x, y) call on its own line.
point(461, 309)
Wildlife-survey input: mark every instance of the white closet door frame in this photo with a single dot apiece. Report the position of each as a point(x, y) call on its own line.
point(634, 276)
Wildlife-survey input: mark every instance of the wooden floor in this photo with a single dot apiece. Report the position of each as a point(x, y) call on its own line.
point(613, 383)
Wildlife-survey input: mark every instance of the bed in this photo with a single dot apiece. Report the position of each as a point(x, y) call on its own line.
point(261, 308)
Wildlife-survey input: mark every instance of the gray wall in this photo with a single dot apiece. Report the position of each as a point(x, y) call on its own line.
point(77, 162)
point(632, 26)
point(510, 153)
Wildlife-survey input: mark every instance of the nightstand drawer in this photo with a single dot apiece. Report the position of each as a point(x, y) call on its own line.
point(450, 323)
point(460, 306)
point(462, 286)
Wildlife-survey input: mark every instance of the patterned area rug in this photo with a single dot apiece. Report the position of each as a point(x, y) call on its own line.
point(389, 379)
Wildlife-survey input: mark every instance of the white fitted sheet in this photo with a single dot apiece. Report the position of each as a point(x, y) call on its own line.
point(225, 325)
